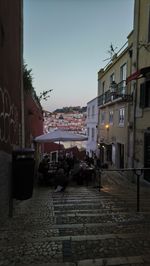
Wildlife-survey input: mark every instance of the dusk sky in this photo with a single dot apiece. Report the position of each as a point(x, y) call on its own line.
point(67, 41)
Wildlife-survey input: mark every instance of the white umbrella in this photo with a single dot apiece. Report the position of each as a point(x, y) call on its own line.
point(60, 135)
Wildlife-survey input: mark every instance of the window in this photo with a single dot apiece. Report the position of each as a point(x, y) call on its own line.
point(112, 78)
point(145, 94)
point(88, 131)
point(109, 153)
point(99, 87)
point(113, 154)
point(103, 87)
point(111, 113)
point(102, 117)
point(88, 112)
point(93, 133)
point(123, 76)
point(121, 116)
point(93, 111)
point(123, 72)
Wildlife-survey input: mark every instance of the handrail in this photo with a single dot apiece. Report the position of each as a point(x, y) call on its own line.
point(137, 171)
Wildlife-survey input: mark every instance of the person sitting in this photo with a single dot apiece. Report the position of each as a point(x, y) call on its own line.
point(61, 180)
point(43, 169)
point(76, 172)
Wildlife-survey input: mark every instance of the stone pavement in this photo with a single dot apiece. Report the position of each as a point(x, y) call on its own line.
point(78, 227)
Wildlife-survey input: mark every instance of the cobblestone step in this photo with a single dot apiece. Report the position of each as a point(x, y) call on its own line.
point(101, 218)
point(39, 232)
point(49, 264)
point(126, 198)
point(108, 207)
point(82, 206)
point(96, 210)
point(123, 261)
point(110, 246)
point(75, 248)
point(95, 229)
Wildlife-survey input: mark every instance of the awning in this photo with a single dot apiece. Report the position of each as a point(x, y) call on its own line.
point(145, 70)
point(133, 76)
point(142, 72)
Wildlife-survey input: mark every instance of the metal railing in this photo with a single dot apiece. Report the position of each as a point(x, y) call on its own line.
point(137, 171)
point(113, 93)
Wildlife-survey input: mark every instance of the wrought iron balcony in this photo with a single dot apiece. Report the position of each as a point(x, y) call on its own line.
point(117, 92)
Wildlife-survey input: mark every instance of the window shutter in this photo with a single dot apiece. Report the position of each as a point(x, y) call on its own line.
point(142, 95)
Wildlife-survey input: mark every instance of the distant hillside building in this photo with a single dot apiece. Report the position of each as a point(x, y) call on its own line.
point(72, 121)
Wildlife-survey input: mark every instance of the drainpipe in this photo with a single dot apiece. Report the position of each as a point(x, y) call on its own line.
point(137, 3)
point(21, 82)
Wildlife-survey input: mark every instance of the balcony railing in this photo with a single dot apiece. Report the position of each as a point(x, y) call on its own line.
point(119, 91)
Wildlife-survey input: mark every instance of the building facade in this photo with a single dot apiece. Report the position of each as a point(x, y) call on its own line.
point(124, 99)
point(33, 114)
point(114, 98)
point(91, 124)
point(139, 80)
point(10, 93)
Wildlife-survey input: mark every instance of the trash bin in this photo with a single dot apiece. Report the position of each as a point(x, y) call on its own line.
point(23, 164)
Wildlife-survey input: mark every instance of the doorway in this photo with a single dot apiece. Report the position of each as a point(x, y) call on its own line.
point(121, 155)
point(147, 155)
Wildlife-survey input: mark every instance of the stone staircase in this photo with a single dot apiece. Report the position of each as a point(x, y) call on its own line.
point(78, 227)
point(101, 228)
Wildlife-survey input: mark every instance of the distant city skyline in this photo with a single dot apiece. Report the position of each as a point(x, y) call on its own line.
point(66, 43)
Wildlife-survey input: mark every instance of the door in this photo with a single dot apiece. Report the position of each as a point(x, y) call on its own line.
point(147, 155)
point(102, 154)
point(121, 155)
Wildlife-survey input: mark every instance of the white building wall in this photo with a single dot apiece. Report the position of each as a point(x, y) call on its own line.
point(92, 121)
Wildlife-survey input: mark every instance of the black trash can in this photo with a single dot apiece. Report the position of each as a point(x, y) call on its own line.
point(23, 165)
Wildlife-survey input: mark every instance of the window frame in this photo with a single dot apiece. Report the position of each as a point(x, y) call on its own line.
point(88, 114)
point(88, 131)
point(111, 117)
point(121, 117)
point(103, 115)
point(93, 111)
point(112, 77)
point(123, 75)
point(92, 133)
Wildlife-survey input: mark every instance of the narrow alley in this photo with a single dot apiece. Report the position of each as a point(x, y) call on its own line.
point(80, 226)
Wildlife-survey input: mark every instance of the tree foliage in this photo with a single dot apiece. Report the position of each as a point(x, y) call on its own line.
point(28, 85)
point(44, 95)
point(27, 79)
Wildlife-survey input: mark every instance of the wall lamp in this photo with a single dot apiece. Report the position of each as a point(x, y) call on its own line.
point(107, 127)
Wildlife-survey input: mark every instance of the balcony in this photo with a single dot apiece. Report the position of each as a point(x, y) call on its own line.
point(117, 92)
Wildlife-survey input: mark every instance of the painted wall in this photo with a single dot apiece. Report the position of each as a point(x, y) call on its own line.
point(92, 122)
point(116, 133)
point(10, 92)
point(33, 119)
point(141, 59)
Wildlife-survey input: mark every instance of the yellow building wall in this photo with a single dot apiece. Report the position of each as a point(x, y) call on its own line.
point(116, 133)
point(141, 59)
